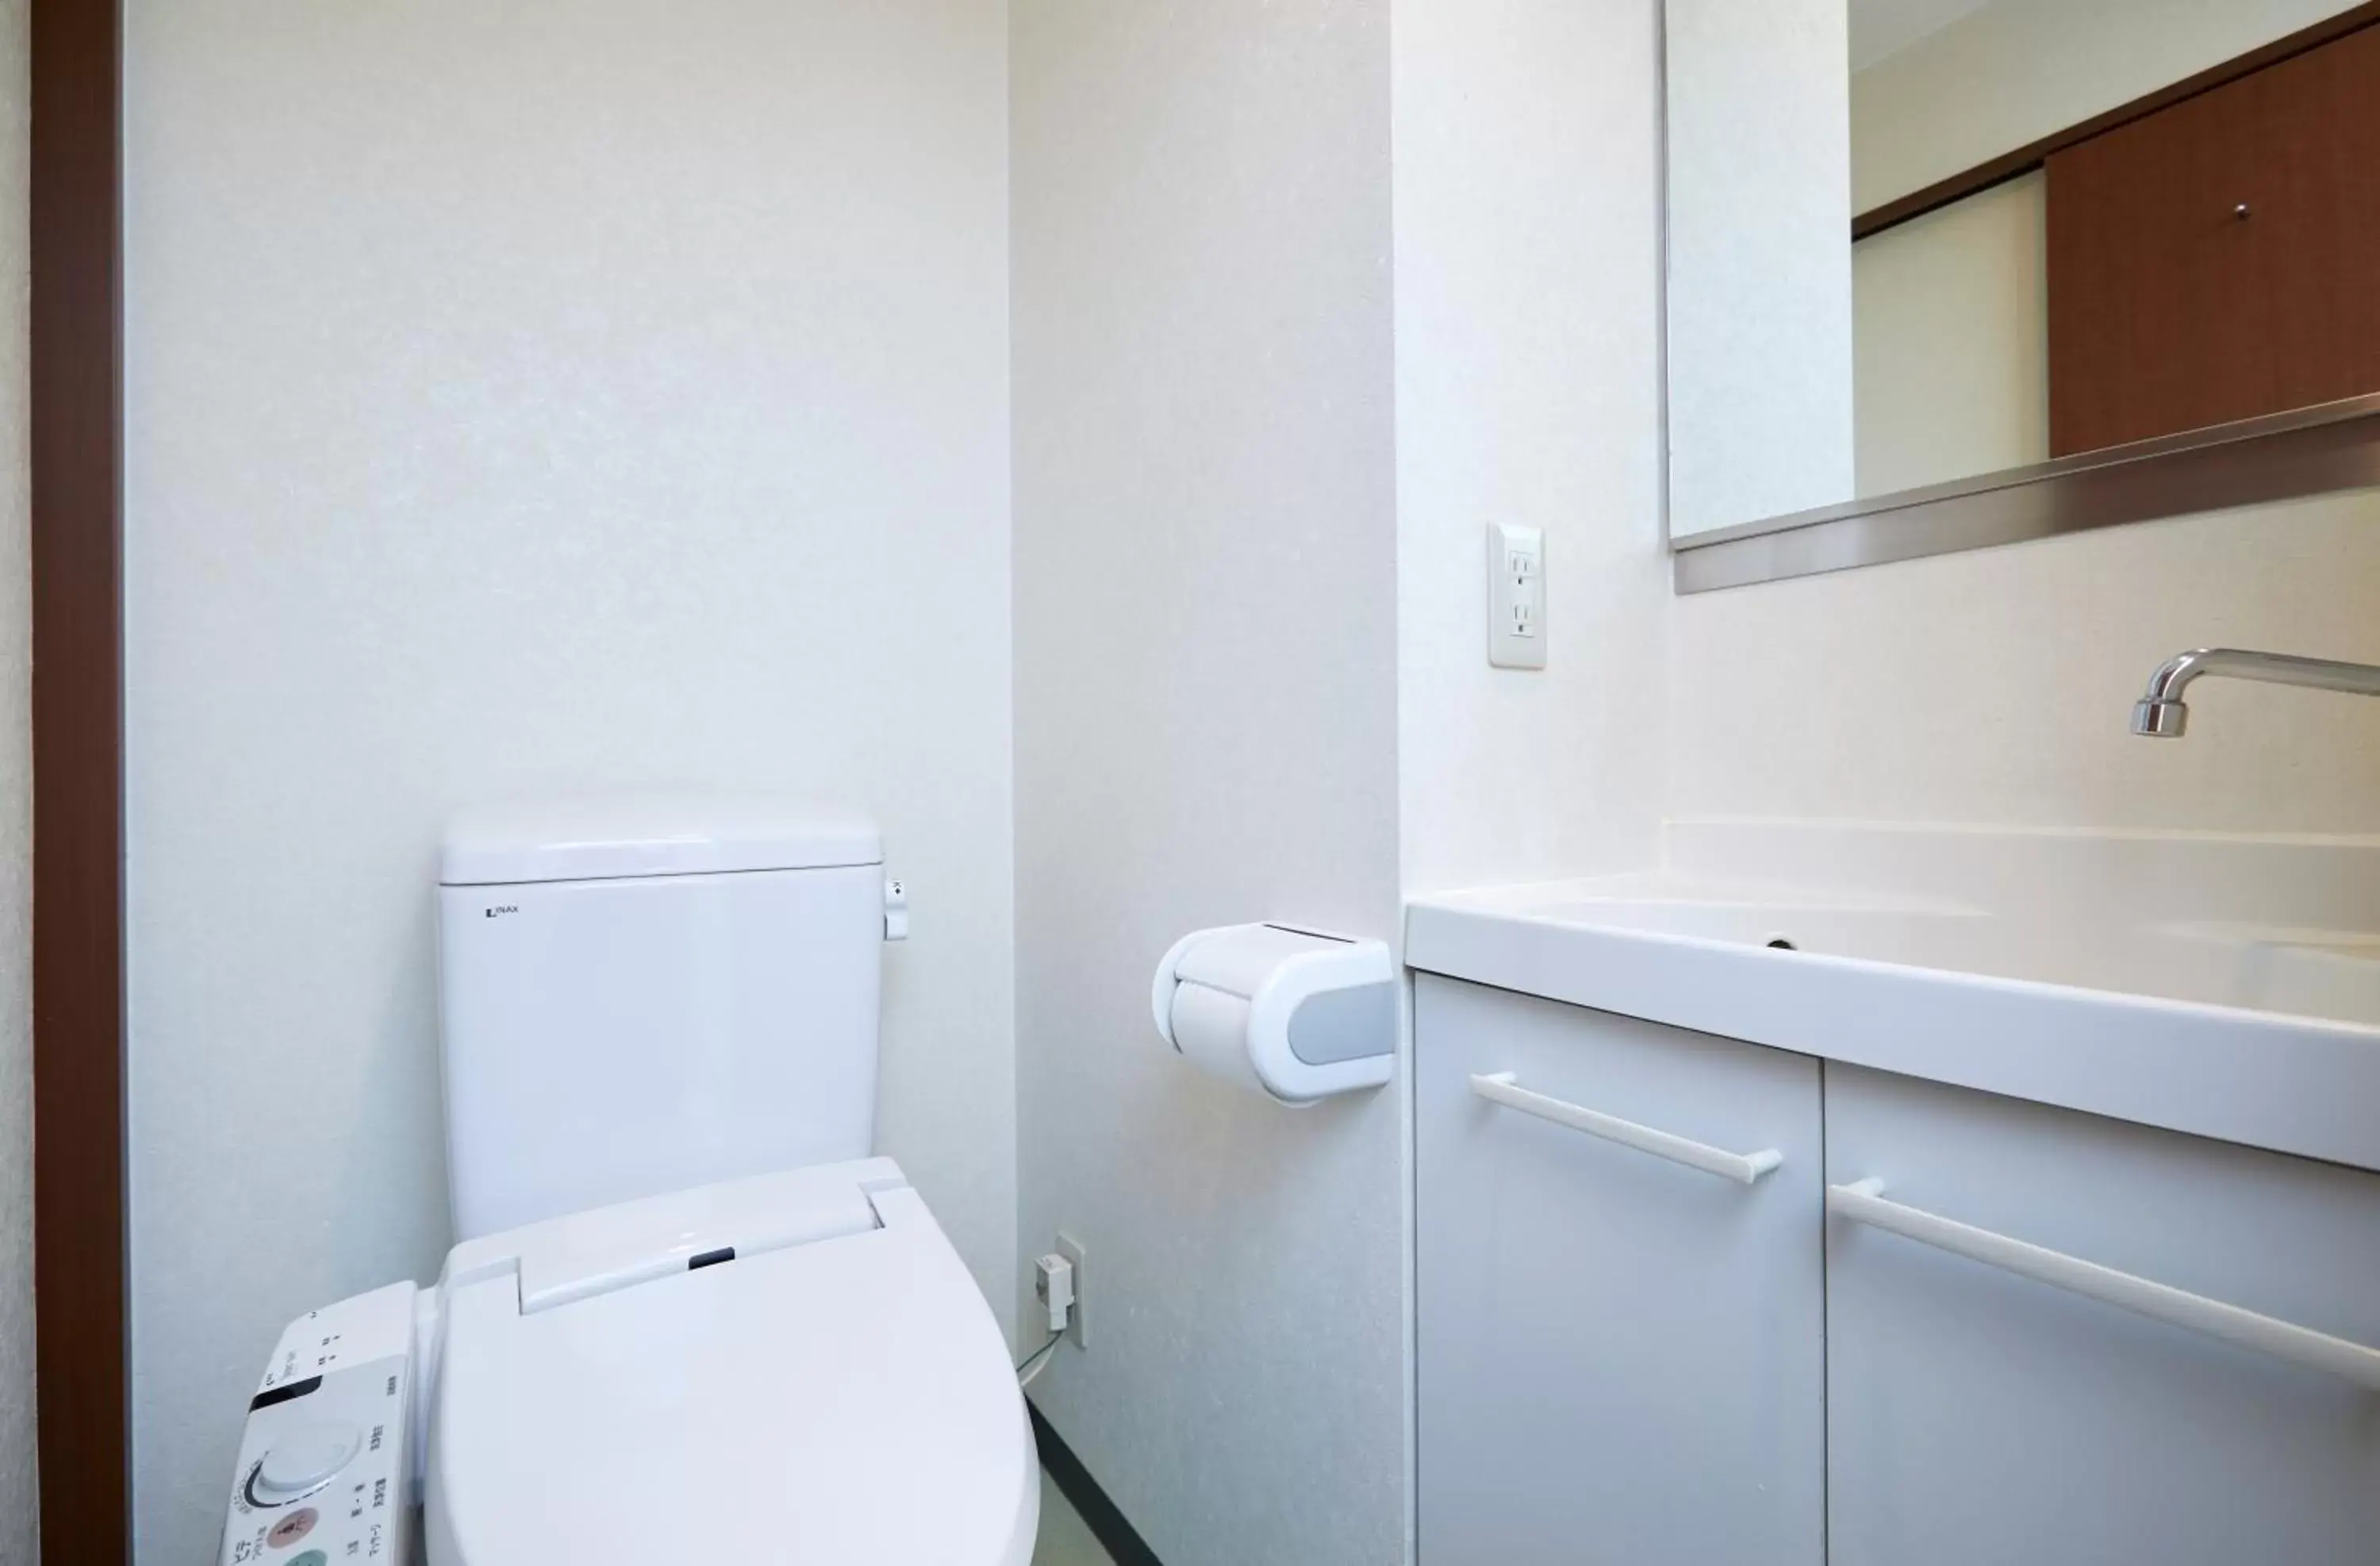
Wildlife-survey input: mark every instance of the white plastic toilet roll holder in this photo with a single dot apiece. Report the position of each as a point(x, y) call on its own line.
point(1295, 1013)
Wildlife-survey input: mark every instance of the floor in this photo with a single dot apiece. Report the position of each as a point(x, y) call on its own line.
point(1066, 1539)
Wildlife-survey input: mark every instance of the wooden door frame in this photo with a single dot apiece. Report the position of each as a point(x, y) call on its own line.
point(77, 537)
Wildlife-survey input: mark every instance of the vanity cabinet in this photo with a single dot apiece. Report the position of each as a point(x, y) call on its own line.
point(1976, 1415)
point(1895, 1345)
point(1620, 1355)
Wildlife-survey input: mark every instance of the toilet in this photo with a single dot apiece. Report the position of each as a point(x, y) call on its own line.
point(689, 1315)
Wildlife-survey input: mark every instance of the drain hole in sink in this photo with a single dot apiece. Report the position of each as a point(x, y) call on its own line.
point(1779, 943)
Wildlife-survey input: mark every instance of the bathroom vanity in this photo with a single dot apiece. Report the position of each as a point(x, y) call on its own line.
point(1876, 1196)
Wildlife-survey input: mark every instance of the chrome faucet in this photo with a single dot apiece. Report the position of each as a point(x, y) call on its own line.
point(2161, 714)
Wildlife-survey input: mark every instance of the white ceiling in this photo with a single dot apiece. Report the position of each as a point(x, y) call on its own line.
point(1886, 27)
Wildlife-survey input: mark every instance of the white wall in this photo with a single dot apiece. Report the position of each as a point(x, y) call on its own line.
point(1997, 685)
point(1879, 27)
point(1528, 277)
point(2016, 70)
point(1205, 645)
point(18, 1516)
point(1760, 273)
point(527, 397)
point(1950, 339)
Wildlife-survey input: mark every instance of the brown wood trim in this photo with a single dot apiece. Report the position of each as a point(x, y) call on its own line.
point(2024, 160)
point(77, 527)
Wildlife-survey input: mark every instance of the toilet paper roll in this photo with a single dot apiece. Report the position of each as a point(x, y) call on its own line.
point(1210, 1028)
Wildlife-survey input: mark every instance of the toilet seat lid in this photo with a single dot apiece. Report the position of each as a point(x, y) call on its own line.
point(832, 1399)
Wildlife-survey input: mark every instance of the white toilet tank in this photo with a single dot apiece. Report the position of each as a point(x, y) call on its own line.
point(644, 993)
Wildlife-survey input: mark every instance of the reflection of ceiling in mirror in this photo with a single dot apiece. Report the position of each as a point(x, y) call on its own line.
point(1886, 27)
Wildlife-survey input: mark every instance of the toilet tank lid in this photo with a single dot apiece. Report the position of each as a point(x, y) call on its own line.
point(601, 837)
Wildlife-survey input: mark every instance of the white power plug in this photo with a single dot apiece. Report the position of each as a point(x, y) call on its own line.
point(1054, 1285)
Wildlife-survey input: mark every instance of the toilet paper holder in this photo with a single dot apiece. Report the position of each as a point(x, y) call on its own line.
point(1294, 1013)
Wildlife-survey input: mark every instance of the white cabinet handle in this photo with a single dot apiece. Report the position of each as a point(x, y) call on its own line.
point(1864, 1202)
point(1499, 1087)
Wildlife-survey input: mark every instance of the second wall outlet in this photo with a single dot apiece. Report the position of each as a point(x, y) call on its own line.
point(1516, 596)
point(1079, 1325)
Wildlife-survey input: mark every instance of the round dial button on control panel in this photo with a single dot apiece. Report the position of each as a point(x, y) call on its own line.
point(300, 1462)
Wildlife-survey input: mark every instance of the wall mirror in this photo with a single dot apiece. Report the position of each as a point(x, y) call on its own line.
point(1945, 274)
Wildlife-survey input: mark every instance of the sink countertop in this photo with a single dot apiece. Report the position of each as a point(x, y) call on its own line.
point(2244, 1006)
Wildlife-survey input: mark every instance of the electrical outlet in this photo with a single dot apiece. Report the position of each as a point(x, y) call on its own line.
point(1516, 596)
point(1077, 1325)
point(1053, 1290)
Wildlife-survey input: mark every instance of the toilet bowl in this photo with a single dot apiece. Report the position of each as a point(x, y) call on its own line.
point(835, 1391)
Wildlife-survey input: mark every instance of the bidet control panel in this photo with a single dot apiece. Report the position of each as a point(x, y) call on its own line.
point(321, 1475)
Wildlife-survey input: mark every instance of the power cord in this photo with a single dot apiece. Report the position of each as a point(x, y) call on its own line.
point(1030, 1366)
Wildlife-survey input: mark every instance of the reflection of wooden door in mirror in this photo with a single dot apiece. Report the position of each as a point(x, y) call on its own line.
point(2219, 259)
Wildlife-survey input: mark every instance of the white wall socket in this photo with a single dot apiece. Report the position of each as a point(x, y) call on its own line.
point(1079, 1325)
point(1516, 596)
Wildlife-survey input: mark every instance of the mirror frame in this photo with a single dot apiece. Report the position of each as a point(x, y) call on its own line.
point(2321, 449)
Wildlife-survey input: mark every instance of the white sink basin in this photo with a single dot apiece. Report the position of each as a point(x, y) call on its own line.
point(2314, 973)
point(2227, 986)
point(1777, 918)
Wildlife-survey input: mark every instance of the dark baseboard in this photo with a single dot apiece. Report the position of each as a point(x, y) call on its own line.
point(1116, 1535)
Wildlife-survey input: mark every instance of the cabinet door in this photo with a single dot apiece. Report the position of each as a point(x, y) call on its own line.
point(1978, 1417)
point(2213, 260)
point(1619, 1356)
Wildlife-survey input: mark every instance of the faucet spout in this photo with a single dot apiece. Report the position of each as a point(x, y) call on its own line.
point(2162, 714)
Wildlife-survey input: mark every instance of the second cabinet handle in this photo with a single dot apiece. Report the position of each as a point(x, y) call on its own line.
point(1499, 1087)
point(1864, 1202)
